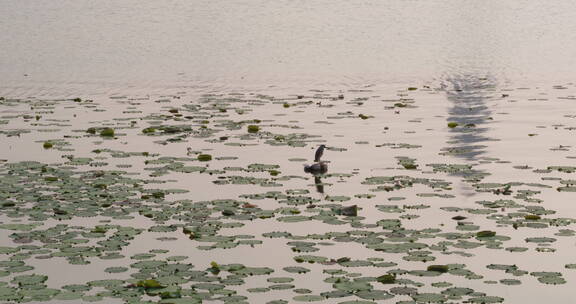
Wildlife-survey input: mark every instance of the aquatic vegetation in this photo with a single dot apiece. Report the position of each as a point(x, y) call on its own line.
point(204, 157)
point(387, 279)
point(107, 132)
point(438, 268)
point(485, 233)
point(171, 222)
point(149, 130)
point(407, 162)
point(253, 128)
point(149, 284)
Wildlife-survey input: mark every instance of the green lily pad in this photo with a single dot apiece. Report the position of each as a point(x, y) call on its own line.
point(308, 298)
point(116, 269)
point(429, 297)
point(510, 282)
point(280, 280)
point(486, 300)
point(374, 295)
point(31, 279)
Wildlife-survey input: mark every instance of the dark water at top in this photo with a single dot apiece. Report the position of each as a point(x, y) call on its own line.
point(112, 44)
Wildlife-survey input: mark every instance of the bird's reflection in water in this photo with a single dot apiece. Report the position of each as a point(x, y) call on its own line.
point(319, 184)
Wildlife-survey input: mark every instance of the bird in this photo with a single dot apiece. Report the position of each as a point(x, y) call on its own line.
point(319, 153)
point(317, 168)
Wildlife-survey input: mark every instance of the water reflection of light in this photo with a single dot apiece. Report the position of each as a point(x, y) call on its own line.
point(469, 96)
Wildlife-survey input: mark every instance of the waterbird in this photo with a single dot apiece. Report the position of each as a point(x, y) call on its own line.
point(316, 168)
point(319, 153)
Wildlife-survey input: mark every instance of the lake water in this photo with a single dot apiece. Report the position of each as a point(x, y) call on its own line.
point(448, 124)
point(112, 45)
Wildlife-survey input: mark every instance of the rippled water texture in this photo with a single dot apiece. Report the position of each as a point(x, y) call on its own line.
point(111, 44)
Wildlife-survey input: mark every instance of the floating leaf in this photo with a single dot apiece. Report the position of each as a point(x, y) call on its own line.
point(308, 298)
point(429, 298)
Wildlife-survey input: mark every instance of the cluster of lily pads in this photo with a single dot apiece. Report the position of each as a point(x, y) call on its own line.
point(372, 245)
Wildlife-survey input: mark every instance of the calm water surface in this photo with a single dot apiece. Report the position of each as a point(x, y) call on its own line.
point(112, 45)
